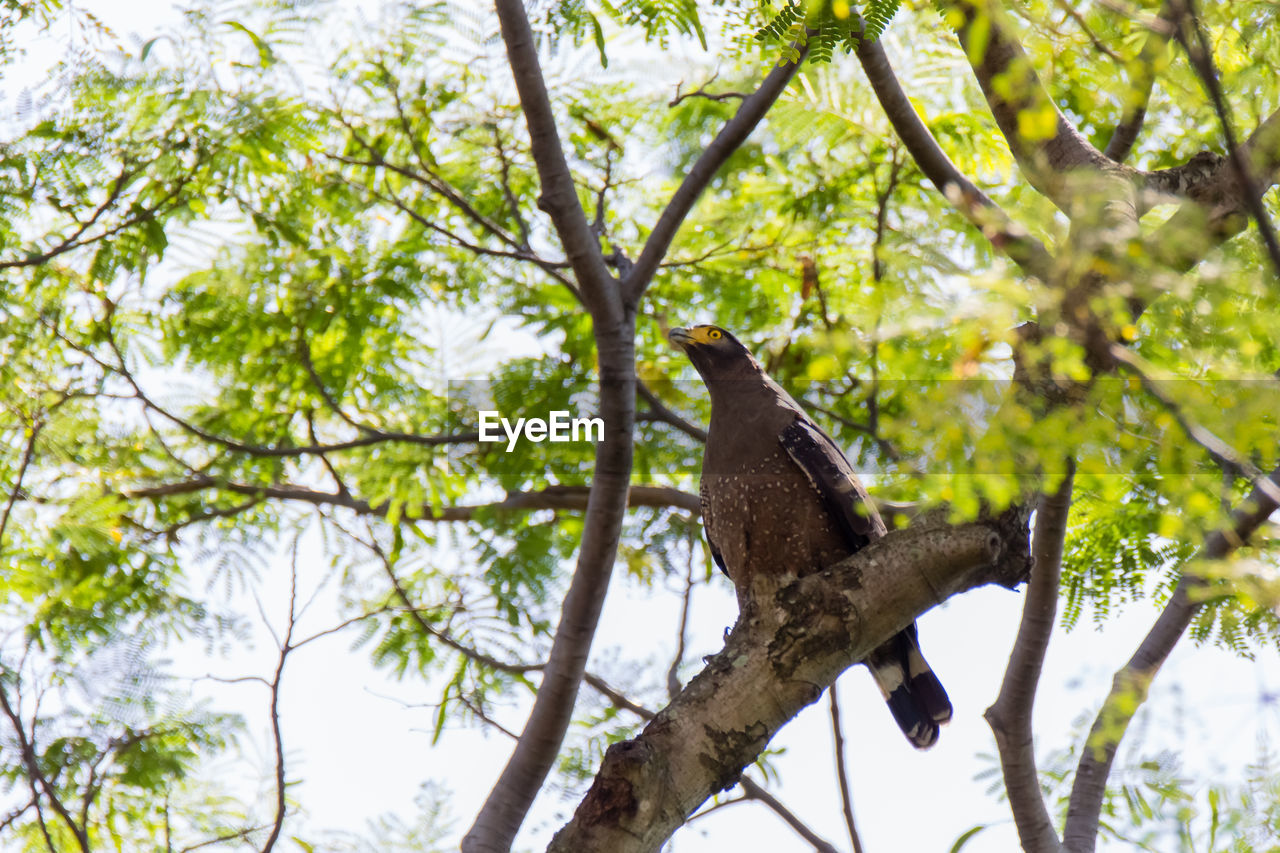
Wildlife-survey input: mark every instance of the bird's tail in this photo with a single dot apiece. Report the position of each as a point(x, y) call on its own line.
point(915, 697)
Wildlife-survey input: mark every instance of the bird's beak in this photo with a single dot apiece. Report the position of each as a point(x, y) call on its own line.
point(680, 337)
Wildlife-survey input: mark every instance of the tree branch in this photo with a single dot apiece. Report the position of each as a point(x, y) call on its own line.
point(1005, 234)
point(1224, 455)
point(28, 453)
point(36, 778)
point(842, 773)
point(1196, 45)
point(559, 196)
point(782, 653)
point(613, 327)
point(1138, 96)
point(1010, 715)
point(1131, 683)
point(753, 790)
point(552, 497)
point(1044, 143)
point(659, 411)
point(1212, 214)
point(728, 140)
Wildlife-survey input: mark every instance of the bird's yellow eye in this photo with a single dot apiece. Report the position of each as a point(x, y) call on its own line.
point(714, 334)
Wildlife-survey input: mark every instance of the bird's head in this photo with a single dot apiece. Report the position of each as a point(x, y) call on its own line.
point(715, 352)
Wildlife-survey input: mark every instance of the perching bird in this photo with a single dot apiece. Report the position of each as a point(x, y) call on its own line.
point(779, 497)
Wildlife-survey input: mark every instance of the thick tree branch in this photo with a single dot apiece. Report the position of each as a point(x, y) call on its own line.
point(1005, 234)
point(559, 196)
point(1044, 143)
point(728, 140)
point(1010, 715)
point(1130, 685)
point(782, 653)
point(613, 327)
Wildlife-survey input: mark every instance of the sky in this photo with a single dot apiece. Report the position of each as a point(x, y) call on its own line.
point(361, 741)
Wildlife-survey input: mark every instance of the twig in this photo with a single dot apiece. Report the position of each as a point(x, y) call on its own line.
point(701, 92)
point(28, 453)
point(673, 671)
point(755, 791)
point(842, 773)
point(286, 646)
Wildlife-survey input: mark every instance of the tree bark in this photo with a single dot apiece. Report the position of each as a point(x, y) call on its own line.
point(781, 655)
point(1010, 715)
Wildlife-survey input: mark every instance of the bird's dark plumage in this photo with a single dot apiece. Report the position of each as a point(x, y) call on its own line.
point(780, 500)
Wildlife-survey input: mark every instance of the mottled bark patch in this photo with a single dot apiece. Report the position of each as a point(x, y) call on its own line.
point(611, 798)
point(796, 641)
point(731, 751)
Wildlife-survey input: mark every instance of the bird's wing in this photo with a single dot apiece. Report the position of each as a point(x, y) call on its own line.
point(706, 529)
point(827, 469)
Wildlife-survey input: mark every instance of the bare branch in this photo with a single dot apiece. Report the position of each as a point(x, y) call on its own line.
point(659, 411)
point(842, 773)
point(673, 671)
point(1131, 683)
point(552, 497)
point(754, 791)
point(277, 740)
point(1010, 715)
point(701, 92)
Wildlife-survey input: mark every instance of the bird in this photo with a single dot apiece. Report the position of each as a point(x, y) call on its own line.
point(780, 501)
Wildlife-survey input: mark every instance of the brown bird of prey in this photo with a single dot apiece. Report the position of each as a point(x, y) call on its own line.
point(780, 499)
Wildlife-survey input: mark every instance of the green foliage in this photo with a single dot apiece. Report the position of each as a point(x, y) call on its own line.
point(255, 294)
point(822, 25)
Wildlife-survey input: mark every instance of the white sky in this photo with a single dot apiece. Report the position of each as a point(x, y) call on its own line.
point(361, 743)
